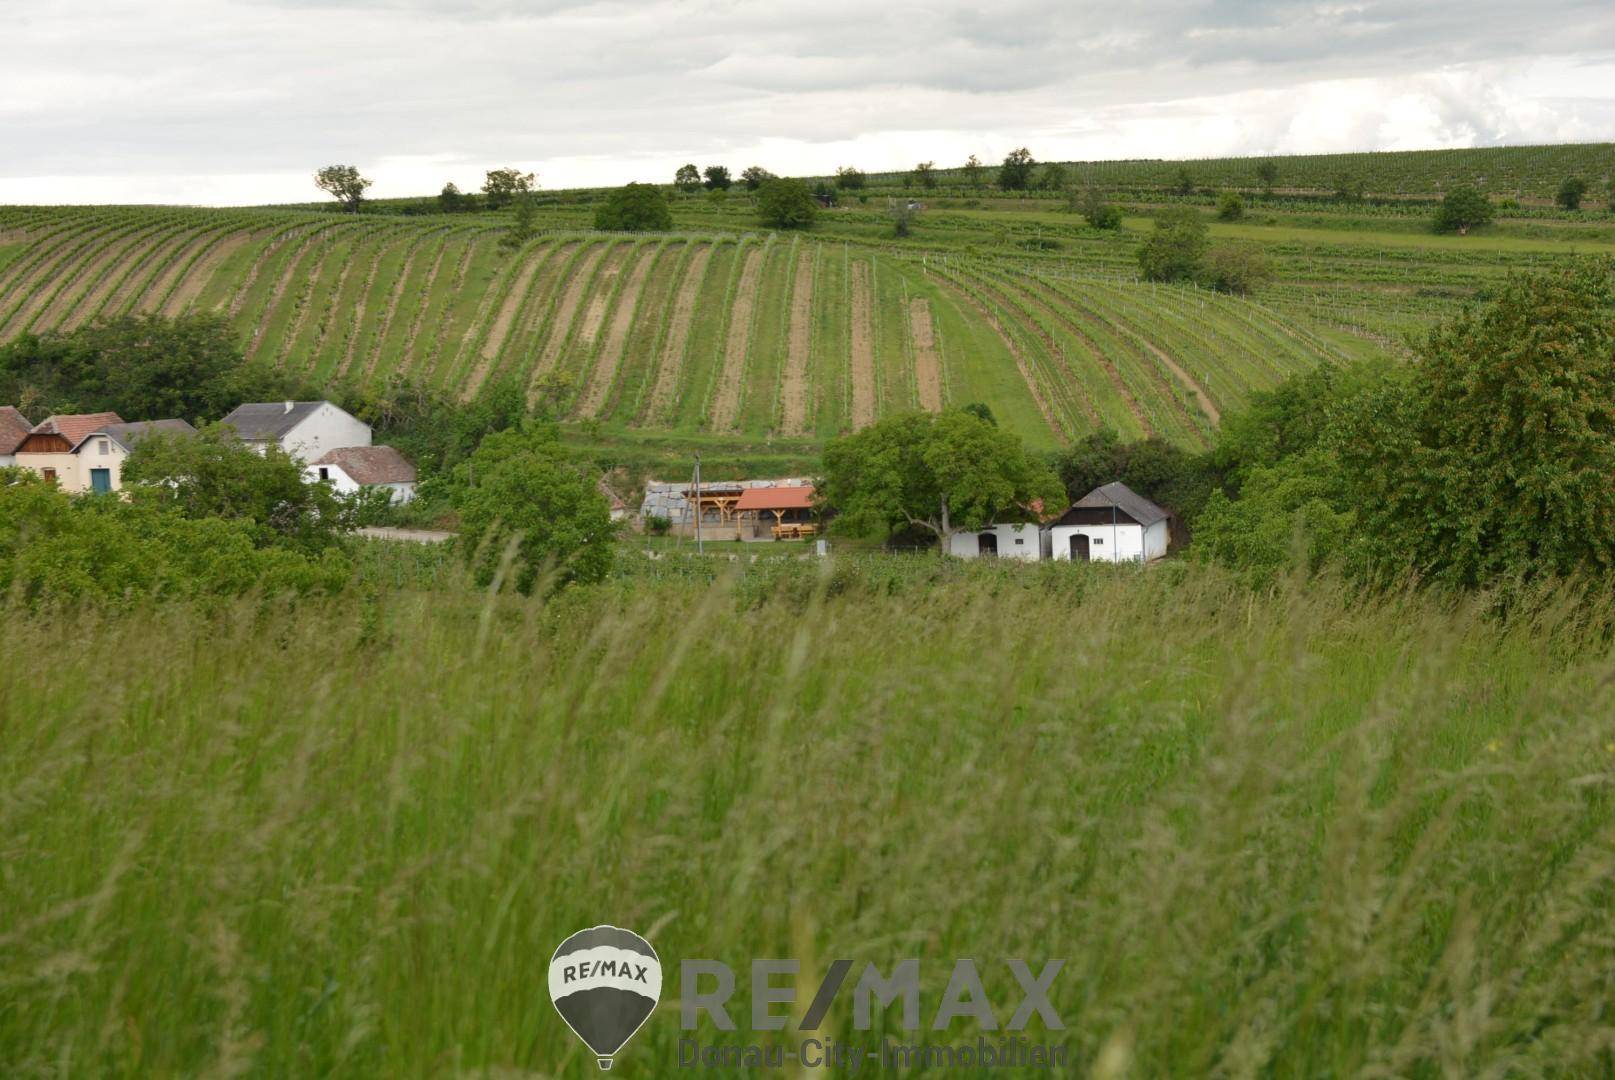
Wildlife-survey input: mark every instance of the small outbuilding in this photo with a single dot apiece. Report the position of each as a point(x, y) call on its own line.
point(776, 513)
point(350, 468)
point(1028, 542)
point(1112, 523)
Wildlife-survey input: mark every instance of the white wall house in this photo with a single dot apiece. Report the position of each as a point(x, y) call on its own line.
point(1027, 542)
point(350, 468)
point(86, 452)
point(307, 430)
point(1112, 523)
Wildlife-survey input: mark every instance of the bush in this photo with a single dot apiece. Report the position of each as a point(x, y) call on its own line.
point(849, 178)
point(658, 524)
point(1239, 269)
point(1172, 252)
point(1463, 208)
point(1230, 207)
point(635, 208)
point(1571, 192)
point(786, 204)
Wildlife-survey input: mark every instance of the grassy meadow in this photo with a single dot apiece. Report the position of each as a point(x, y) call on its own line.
point(1270, 833)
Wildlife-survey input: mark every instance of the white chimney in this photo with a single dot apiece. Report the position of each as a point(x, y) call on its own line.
point(289, 405)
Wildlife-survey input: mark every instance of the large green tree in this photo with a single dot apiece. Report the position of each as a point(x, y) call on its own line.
point(525, 505)
point(943, 472)
point(1498, 461)
point(1571, 193)
point(687, 178)
point(755, 176)
point(1174, 249)
point(1463, 208)
point(786, 204)
point(503, 186)
point(634, 208)
point(717, 178)
point(1015, 174)
point(343, 183)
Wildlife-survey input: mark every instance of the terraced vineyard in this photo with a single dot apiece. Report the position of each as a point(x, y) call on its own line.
point(724, 333)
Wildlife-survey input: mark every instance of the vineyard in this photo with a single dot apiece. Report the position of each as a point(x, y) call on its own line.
point(724, 330)
point(712, 331)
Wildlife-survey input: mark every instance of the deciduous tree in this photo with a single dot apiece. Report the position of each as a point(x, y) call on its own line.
point(786, 204)
point(849, 178)
point(717, 178)
point(688, 178)
point(1015, 174)
point(1463, 208)
point(755, 176)
point(343, 183)
point(1172, 252)
point(503, 186)
point(1571, 193)
point(634, 208)
point(1267, 174)
point(923, 176)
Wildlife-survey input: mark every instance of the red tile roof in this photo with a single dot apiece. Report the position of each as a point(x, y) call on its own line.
point(371, 464)
point(776, 498)
point(74, 427)
point(14, 428)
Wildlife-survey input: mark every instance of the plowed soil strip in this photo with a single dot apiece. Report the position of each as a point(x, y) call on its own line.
point(202, 272)
point(927, 364)
point(495, 341)
point(622, 321)
point(258, 266)
point(863, 348)
point(594, 316)
point(152, 298)
point(678, 334)
point(726, 402)
point(794, 390)
point(571, 300)
point(379, 335)
point(86, 281)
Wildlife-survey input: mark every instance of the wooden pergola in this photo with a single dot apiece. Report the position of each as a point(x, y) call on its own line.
point(719, 497)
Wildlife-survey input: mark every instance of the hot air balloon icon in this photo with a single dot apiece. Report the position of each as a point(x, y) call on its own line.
point(605, 981)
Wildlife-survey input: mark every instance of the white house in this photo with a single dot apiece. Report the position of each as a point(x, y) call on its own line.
point(14, 428)
point(307, 430)
point(85, 452)
point(350, 468)
point(1027, 542)
point(1112, 523)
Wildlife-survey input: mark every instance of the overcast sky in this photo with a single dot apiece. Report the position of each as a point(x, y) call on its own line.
point(238, 101)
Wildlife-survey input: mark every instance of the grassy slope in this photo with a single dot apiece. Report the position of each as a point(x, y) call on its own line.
point(1267, 834)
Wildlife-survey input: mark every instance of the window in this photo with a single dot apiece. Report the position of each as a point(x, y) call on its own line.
point(1099, 540)
point(325, 474)
point(104, 445)
point(50, 476)
point(1018, 540)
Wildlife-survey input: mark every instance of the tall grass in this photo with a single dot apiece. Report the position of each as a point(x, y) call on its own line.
point(1269, 833)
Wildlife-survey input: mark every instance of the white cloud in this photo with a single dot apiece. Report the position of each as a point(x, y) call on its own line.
point(225, 101)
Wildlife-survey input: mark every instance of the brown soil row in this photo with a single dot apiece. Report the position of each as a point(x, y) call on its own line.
point(495, 341)
point(795, 391)
point(927, 364)
point(152, 298)
point(85, 280)
point(622, 321)
point(202, 273)
point(671, 360)
point(567, 310)
point(863, 347)
point(726, 401)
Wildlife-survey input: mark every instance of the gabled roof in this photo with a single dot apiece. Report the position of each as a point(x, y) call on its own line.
point(74, 427)
point(269, 421)
point(371, 464)
point(14, 428)
point(126, 435)
point(795, 497)
point(1125, 499)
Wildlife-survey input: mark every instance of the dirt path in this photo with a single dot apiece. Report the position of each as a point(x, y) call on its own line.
point(795, 392)
point(362, 301)
point(863, 347)
point(201, 273)
point(1014, 351)
point(927, 364)
point(152, 299)
point(622, 321)
point(418, 320)
point(567, 310)
point(85, 282)
point(1207, 406)
point(726, 400)
point(671, 360)
point(605, 282)
point(494, 343)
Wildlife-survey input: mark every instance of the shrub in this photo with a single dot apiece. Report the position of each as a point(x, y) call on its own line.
point(1571, 192)
point(1230, 207)
point(1172, 252)
point(1240, 269)
point(786, 204)
point(1463, 208)
point(635, 208)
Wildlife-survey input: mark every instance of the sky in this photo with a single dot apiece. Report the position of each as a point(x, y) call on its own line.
point(229, 102)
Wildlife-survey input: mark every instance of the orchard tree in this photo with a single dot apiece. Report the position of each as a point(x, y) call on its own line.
point(1172, 252)
point(755, 177)
point(1267, 174)
point(687, 179)
point(717, 178)
point(503, 186)
point(923, 176)
point(946, 472)
point(786, 204)
point(1495, 463)
point(524, 505)
point(1571, 193)
point(1463, 208)
point(849, 178)
point(634, 208)
point(1015, 174)
point(343, 183)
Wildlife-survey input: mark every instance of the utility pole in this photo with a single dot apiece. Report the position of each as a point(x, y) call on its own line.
point(699, 550)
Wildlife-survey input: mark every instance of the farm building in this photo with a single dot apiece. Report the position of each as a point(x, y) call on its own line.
point(1112, 523)
point(14, 428)
point(86, 452)
point(675, 501)
point(1026, 541)
point(307, 430)
point(352, 468)
point(776, 513)
point(619, 508)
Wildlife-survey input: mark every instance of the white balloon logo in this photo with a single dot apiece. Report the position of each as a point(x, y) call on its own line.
point(605, 982)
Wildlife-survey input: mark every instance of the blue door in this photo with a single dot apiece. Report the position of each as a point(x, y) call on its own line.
point(100, 479)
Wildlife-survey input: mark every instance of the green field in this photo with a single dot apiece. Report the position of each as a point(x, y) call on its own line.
point(724, 330)
point(1276, 833)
